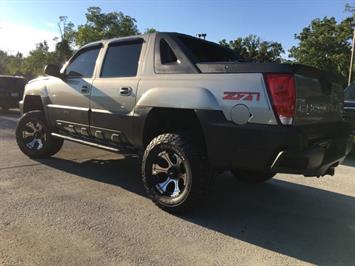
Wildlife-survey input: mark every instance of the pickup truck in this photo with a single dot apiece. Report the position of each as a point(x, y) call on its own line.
point(188, 108)
point(11, 91)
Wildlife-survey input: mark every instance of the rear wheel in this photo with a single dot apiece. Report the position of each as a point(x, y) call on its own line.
point(175, 173)
point(252, 177)
point(33, 136)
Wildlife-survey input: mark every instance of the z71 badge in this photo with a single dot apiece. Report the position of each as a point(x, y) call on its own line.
point(242, 96)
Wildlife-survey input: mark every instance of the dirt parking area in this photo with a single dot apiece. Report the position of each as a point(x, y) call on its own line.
point(88, 207)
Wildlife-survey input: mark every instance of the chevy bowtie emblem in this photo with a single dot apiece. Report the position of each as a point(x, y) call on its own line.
point(242, 96)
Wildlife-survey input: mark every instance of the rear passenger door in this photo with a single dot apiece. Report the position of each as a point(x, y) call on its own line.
point(114, 90)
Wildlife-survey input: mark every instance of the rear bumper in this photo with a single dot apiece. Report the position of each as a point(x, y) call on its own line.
point(310, 151)
point(317, 160)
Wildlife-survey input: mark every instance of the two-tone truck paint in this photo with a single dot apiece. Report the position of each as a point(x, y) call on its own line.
point(189, 107)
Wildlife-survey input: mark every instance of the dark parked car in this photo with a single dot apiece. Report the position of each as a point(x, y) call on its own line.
point(349, 105)
point(11, 91)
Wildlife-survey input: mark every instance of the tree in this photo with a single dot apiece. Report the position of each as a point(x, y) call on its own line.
point(38, 58)
point(325, 44)
point(150, 30)
point(252, 48)
point(3, 62)
point(104, 26)
point(63, 48)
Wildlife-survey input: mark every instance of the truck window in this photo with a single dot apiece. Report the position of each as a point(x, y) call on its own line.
point(167, 56)
point(122, 59)
point(349, 93)
point(203, 51)
point(83, 64)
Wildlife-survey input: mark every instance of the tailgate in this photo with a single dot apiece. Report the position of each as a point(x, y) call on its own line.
point(319, 97)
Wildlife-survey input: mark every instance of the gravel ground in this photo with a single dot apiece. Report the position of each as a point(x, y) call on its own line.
point(87, 207)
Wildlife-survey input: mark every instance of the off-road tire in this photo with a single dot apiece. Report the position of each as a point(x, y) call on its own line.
point(199, 174)
point(252, 177)
point(51, 145)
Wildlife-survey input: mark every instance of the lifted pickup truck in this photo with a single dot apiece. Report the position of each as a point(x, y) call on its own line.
point(189, 107)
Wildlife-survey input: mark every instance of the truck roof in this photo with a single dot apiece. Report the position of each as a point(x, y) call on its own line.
point(104, 41)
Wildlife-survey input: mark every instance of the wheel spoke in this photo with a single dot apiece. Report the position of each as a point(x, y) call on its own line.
point(31, 144)
point(173, 173)
point(157, 169)
point(40, 144)
point(176, 191)
point(27, 134)
point(164, 185)
point(39, 127)
point(31, 126)
point(178, 160)
point(35, 144)
point(164, 155)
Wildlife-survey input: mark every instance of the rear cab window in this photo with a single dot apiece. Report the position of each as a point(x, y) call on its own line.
point(203, 51)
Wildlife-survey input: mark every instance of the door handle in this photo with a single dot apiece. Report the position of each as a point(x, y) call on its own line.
point(126, 91)
point(84, 89)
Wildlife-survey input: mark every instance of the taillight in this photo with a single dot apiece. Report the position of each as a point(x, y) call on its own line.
point(283, 95)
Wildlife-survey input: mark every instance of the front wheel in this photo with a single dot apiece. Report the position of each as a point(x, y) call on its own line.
point(175, 173)
point(33, 136)
point(252, 177)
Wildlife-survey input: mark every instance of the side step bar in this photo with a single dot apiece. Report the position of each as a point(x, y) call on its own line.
point(85, 142)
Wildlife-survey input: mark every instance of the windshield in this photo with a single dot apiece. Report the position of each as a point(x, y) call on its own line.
point(204, 51)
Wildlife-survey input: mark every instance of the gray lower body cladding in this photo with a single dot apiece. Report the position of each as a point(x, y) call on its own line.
point(307, 150)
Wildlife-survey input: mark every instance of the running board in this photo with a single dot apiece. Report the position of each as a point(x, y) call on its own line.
point(85, 142)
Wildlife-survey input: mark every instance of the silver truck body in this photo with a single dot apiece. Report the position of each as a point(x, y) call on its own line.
point(107, 108)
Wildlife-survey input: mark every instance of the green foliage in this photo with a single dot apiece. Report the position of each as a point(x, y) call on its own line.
point(30, 66)
point(63, 47)
point(150, 30)
point(252, 48)
point(325, 44)
point(104, 26)
point(98, 26)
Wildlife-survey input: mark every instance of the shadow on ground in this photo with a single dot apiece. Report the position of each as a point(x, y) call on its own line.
point(350, 159)
point(8, 121)
point(306, 223)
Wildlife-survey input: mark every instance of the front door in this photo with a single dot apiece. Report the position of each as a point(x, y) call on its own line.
point(70, 96)
point(114, 91)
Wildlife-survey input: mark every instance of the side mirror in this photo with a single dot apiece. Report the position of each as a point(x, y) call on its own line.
point(53, 70)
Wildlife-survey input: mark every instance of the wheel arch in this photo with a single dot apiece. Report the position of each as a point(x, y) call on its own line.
point(33, 103)
point(159, 120)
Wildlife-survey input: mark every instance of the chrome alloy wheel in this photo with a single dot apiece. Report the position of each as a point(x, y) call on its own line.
point(33, 135)
point(170, 173)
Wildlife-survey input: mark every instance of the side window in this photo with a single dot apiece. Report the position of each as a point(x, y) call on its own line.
point(122, 59)
point(83, 65)
point(167, 56)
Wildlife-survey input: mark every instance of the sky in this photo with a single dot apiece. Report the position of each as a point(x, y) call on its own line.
point(27, 22)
